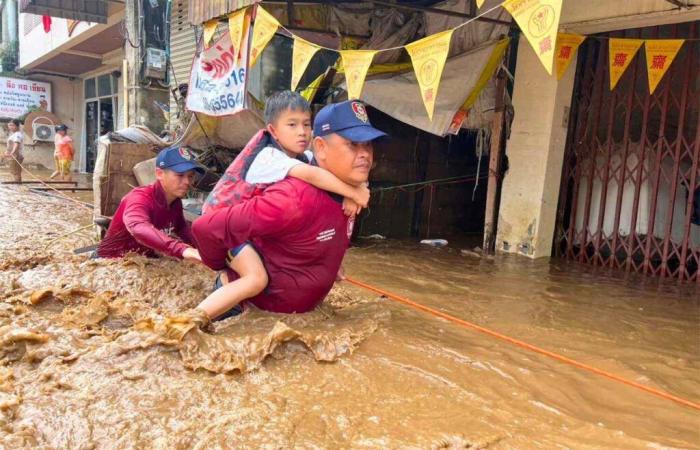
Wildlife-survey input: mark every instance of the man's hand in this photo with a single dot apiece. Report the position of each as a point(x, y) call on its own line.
point(361, 196)
point(350, 208)
point(191, 254)
point(340, 276)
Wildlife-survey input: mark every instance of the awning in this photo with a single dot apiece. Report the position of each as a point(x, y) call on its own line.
point(95, 11)
point(202, 10)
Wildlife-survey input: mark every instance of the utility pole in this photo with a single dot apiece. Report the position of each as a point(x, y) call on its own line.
point(141, 92)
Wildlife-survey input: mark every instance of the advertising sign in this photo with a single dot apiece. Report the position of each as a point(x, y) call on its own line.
point(17, 96)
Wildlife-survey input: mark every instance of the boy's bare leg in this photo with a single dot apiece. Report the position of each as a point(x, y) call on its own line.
point(253, 279)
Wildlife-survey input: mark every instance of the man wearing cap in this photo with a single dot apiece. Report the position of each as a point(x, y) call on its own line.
point(300, 231)
point(149, 220)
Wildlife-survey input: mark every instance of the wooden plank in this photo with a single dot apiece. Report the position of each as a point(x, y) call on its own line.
point(74, 183)
point(496, 155)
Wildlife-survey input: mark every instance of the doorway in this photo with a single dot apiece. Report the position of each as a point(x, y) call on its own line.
point(101, 108)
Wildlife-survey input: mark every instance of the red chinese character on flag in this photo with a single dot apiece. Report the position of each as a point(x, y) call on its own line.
point(658, 62)
point(620, 59)
point(546, 45)
point(565, 52)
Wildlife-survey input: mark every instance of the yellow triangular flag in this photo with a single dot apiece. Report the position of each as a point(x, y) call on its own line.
point(428, 56)
point(236, 25)
point(567, 44)
point(355, 64)
point(209, 30)
point(265, 27)
point(660, 54)
point(302, 53)
point(539, 22)
point(622, 52)
point(480, 3)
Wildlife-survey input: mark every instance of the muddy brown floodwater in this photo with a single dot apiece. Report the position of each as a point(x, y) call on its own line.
point(95, 355)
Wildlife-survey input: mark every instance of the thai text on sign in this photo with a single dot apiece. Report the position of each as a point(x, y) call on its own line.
point(18, 96)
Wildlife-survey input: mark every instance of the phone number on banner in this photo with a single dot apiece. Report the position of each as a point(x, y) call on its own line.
point(224, 102)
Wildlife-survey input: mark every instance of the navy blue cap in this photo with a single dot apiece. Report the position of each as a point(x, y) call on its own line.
point(348, 119)
point(177, 159)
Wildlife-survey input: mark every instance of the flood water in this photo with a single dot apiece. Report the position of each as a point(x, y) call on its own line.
point(95, 355)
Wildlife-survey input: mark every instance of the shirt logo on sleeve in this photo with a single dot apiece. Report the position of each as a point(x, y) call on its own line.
point(326, 235)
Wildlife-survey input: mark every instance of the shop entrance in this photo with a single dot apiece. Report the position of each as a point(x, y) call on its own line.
point(101, 105)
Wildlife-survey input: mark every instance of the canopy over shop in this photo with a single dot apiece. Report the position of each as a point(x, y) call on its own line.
point(448, 148)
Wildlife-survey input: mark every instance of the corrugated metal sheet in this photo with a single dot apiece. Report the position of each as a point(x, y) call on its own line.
point(202, 10)
point(182, 49)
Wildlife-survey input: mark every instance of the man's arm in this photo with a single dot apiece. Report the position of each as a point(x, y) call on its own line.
point(274, 212)
point(325, 180)
point(138, 222)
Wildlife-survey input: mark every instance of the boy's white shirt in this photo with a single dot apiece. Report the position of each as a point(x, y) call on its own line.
point(272, 165)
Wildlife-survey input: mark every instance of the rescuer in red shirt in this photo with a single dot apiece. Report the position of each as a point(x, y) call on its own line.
point(149, 219)
point(300, 231)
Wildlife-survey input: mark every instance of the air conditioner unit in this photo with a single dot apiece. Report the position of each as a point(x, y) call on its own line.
point(43, 132)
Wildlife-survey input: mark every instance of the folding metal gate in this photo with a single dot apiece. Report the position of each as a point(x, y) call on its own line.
point(631, 177)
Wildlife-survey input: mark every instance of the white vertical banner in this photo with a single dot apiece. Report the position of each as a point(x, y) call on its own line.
point(218, 79)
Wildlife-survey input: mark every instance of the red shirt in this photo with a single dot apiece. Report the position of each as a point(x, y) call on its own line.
point(145, 224)
point(300, 232)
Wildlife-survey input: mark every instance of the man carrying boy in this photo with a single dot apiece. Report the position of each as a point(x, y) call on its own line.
point(270, 157)
point(298, 230)
point(149, 220)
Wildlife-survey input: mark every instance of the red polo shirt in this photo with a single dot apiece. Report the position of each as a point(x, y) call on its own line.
point(145, 224)
point(300, 232)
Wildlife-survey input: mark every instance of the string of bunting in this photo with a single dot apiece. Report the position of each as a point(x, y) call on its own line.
point(537, 19)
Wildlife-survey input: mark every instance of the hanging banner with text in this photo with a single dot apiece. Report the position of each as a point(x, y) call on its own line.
point(428, 57)
point(18, 96)
point(660, 54)
point(218, 80)
point(567, 44)
point(264, 29)
point(356, 64)
point(622, 52)
point(539, 22)
point(302, 53)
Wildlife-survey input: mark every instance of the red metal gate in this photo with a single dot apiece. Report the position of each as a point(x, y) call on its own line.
point(631, 169)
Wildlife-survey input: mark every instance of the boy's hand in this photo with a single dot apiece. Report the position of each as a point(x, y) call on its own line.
point(361, 196)
point(191, 254)
point(350, 208)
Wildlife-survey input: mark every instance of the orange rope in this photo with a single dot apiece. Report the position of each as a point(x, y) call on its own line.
point(525, 345)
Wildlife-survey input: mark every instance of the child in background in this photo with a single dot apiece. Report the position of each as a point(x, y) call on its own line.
point(274, 153)
point(64, 152)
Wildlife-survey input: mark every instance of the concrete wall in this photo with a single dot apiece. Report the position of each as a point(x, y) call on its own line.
point(35, 42)
point(530, 192)
point(66, 103)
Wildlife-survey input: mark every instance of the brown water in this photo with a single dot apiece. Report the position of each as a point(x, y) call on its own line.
point(95, 354)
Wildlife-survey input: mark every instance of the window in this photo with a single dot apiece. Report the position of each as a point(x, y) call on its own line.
point(90, 91)
point(104, 85)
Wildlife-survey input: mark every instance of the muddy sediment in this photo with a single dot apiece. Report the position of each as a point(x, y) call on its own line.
point(97, 354)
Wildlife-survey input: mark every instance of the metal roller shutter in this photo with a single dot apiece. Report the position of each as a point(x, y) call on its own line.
point(182, 49)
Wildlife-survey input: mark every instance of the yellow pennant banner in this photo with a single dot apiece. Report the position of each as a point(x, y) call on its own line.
point(660, 54)
point(539, 22)
point(480, 3)
point(622, 52)
point(209, 30)
point(428, 56)
point(356, 64)
point(236, 26)
point(301, 57)
point(567, 44)
point(265, 27)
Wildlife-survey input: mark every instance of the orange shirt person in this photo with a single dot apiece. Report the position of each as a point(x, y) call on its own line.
point(64, 152)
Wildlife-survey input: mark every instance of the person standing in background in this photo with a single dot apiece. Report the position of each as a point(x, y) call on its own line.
point(64, 152)
point(14, 152)
point(57, 169)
